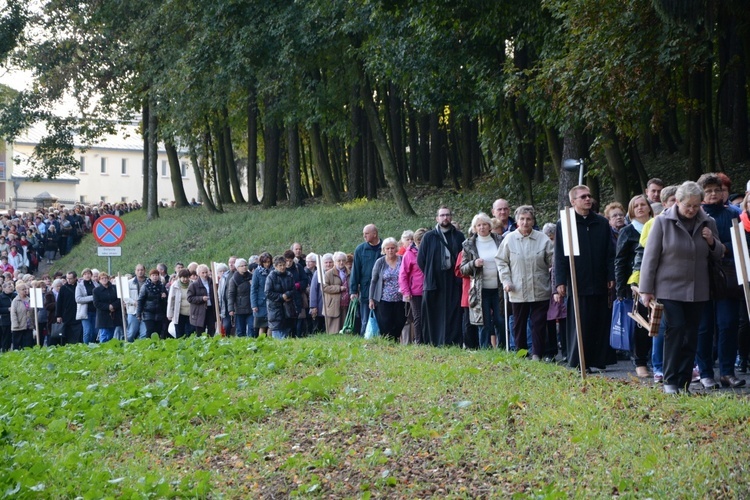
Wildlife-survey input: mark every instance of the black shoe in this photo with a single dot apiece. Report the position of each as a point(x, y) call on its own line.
point(731, 381)
point(741, 365)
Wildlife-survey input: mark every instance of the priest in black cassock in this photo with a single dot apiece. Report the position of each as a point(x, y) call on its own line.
point(441, 299)
point(595, 275)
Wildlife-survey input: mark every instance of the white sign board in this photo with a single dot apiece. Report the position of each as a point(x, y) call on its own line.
point(123, 287)
point(573, 231)
point(739, 248)
point(109, 251)
point(36, 298)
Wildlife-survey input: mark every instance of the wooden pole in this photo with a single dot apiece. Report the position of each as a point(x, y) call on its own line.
point(739, 255)
point(215, 286)
point(507, 323)
point(574, 293)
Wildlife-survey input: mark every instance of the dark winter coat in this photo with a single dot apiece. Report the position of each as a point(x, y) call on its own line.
point(278, 285)
point(258, 291)
point(103, 297)
point(238, 293)
point(5, 301)
point(152, 305)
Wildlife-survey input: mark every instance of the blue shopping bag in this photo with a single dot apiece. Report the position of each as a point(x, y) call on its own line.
point(372, 330)
point(623, 326)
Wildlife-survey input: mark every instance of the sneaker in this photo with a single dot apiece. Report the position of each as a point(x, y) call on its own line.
point(709, 383)
point(658, 378)
point(696, 375)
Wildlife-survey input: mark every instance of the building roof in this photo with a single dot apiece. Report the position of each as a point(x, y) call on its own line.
point(129, 139)
point(22, 170)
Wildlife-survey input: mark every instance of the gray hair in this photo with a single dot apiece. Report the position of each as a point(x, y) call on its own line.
point(688, 189)
point(336, 256)
point(408, 234)
point(326, 257)
point(237, 263)
point(386, 242)
point(525, 209)
point(220, 268)
point(481, 217)
point(58, 283)
point(312, 256)
point(549, 229)
point(253, 259)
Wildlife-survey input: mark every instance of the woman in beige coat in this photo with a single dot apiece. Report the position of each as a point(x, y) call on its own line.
point(524, 261)
point(336, 293)
point(675, 271)
point(20, 319)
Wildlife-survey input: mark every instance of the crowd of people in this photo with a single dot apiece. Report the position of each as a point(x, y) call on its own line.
point(506, 285)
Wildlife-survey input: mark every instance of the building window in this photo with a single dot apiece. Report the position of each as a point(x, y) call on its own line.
point(103, 198)
point(82, 164)
point(83, 198)
point(104, 166)
point(164, 168)
point(124, 199)
point(183, 169)
point(124, 167)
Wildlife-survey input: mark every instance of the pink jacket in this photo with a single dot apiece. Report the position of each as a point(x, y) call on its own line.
point(410, 277)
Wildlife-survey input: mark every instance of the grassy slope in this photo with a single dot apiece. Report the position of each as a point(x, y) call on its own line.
point(341, 417)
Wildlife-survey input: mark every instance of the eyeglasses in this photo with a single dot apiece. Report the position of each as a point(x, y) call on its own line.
point(584, 197)
point(612, 216)
point(445, 215)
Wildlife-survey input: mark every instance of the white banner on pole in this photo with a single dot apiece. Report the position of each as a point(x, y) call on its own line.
point(36, 298)
point(573, 232)
point(123, 287)
point(739, 248)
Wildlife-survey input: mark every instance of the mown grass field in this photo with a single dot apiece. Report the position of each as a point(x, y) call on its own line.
point(341, 417)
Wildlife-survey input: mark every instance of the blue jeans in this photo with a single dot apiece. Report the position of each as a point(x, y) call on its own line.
point(119, 334)
point(89, 328)
point(492, 315)
point(722, 316)
point(280, 334)
point(243, 325)
point(106, 334)
point(657, 348)
point(136, 326)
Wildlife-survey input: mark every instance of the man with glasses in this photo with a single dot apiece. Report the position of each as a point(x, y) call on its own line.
point(595, 274)
point(65, 310)
point(441, 298)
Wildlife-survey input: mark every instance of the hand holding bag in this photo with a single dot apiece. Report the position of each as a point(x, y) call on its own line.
point(351, 317)
point(57, 331)
point(372, 330)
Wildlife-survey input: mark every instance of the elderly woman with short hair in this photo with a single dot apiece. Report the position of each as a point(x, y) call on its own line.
point(385, 298)
point(675, 271)
point(336, 293)
point(317, 308)
point(524, 262)
point(478, 263)
point(20, 319)
point(238, 299)
point(202, 299)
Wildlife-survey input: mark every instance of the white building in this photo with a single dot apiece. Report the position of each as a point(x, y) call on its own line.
point(110, 171)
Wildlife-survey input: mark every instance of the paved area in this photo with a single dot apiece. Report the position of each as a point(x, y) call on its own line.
point(626, 370)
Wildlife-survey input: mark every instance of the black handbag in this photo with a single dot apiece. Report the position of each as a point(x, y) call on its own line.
point(290, 310)
point(57, 331)
point(722, 279)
